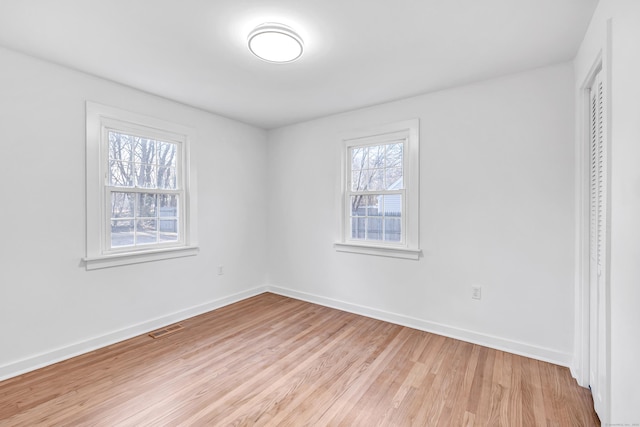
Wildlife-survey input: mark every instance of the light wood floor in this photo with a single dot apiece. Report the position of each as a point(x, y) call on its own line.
point(271, 360)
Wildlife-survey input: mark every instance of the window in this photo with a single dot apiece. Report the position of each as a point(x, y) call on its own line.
point(144, 192)
point(379, 206)
point(140, 189)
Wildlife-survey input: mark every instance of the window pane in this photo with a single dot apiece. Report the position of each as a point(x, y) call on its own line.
point(120, 173)
point(374, 229)
point(122, 205)
point(364, 205)
point(394, 156)
point(392, 229)
point(394, 179)
point(358, 228)
point(359, 159)
point(167, 178)
point(358, 207)
point(119, 146)
point(145, 175)
point(373, 205)
point(146, 205)
point(121, 233)
point(168, 205)
point(166, 154)
point(376, 180)
point(360, 180)
point(168, 230)
point(393, 205)
point(146, 231)
point(144, 150)
point(376, 156)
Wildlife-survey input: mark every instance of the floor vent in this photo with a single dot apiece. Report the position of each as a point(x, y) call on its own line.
point(165, 331)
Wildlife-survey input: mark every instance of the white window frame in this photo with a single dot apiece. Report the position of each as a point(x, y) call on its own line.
point(408, 131)
point(100, 120)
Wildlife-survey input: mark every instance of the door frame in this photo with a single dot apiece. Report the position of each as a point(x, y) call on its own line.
point(581, 365)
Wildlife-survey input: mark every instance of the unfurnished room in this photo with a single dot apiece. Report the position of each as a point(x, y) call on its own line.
point(320, 213)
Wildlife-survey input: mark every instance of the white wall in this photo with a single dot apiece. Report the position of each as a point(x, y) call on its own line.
point(50, 307)
point(615, 31)
point(496, 209)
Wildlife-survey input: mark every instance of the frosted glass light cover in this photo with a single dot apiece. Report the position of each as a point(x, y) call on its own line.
point(275, 43)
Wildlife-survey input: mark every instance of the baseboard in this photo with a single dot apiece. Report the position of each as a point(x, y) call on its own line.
point(579, 375)
point(515, 347)
point(67, 352)
point(32, 363)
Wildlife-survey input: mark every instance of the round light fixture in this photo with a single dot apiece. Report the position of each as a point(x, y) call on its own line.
point(273, 42)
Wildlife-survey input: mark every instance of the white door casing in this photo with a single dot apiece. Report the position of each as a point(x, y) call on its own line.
point(598, 236)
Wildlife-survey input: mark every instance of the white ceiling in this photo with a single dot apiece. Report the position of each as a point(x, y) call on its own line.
point(358, 52)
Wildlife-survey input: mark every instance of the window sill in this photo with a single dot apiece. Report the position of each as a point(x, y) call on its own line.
point(114, 260)
point(387, 251)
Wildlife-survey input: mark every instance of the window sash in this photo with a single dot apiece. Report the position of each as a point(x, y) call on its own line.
point(140, 131)
point(375, 141)
point(348, 216)
point(383, 217)
point(108, 219)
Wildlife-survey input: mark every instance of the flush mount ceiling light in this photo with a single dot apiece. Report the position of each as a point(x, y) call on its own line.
point(273, 42)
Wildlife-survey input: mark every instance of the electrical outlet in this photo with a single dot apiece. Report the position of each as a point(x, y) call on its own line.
point(476, 292)
point(220, 270)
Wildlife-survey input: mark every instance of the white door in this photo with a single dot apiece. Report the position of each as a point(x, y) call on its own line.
point(597, 248)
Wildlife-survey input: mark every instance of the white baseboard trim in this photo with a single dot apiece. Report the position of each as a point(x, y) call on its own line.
point(38, 361)
point(579, 375)
point(516, 347)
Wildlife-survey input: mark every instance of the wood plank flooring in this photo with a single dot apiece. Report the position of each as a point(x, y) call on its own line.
point(275, 361)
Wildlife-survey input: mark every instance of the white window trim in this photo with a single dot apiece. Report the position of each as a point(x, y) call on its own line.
point(409, 248)
point(99, 117)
